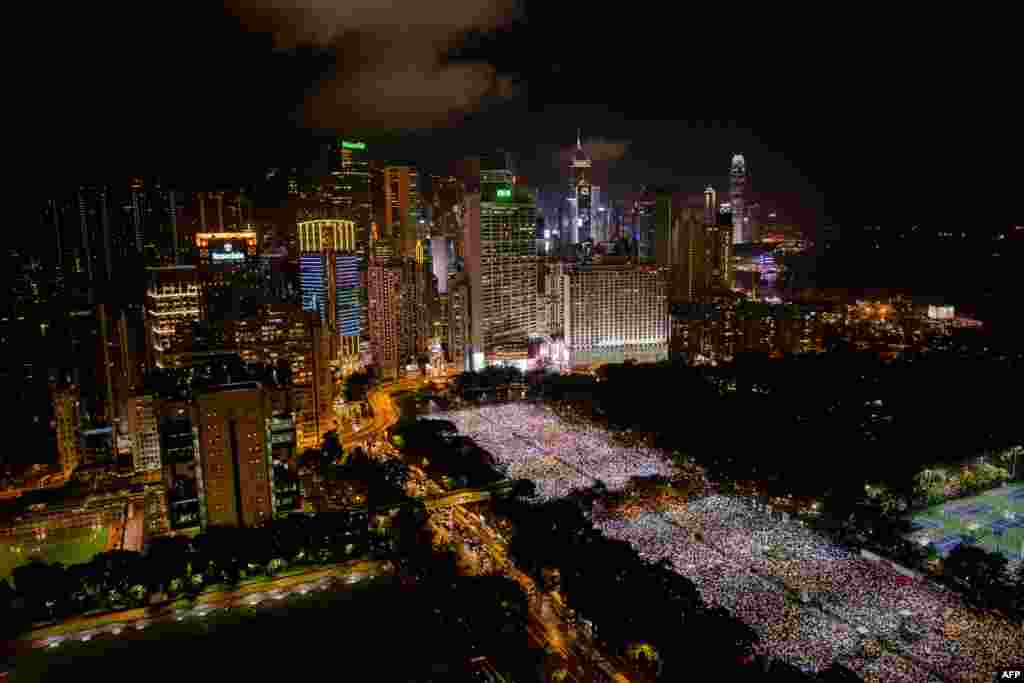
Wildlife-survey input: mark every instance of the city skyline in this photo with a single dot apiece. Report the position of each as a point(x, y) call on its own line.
point(570, 333)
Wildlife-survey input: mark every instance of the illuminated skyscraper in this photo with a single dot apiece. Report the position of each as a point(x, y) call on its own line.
point(351, 192)
point(386, 316)
point(329, 279)
point(580, 193)
point(501, 262)
point(402, 210)
point(173, 301)
point(718, 249)
point(738, 198)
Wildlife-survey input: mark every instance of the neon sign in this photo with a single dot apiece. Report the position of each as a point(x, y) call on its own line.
point(345, 144)
point(504, 193)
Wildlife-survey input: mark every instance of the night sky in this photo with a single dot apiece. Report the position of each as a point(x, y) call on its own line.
point(858, 118)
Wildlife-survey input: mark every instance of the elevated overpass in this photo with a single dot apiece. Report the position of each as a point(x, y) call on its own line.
point(502, 489)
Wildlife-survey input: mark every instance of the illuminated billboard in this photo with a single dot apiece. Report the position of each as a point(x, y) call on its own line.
point(346, 144)
point(941, 312)
point(226, 247)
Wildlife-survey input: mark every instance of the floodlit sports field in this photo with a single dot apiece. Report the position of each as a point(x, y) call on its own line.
point(67, 546)
point(995, 518)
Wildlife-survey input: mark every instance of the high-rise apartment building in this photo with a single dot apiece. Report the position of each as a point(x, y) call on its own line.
point(144, 433)
point(386, 316)
point(236, 488)
point(615, 312)
point(276, 334)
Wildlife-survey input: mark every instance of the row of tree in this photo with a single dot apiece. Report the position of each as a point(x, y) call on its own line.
point(179, 565)
point(634, 605)
point(437, 627)
point(470, 384)
point(823, 424)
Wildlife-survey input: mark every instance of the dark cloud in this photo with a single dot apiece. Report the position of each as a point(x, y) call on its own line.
point(603, 155)
point(393, 70)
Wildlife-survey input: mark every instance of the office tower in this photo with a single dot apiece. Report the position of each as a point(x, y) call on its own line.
point(348, 282)
point(664, 217)
point(718, 244)
point(446, 200)
point(726, 224)
point(350, 168)
point(751, 214)
point(439, 251)
point(685, 253)
point(67, 419)
point(645, 226)
point(501, 261)
point(173, 300)
point(273, 273)
point(324, 276)
point(460, 333)
point(121, 356)
point(473, 345)
point(386, 316)
point(615, 312)
point(164, 245)
point(144, 433)
point(580, 192)
point(229, 269)
point(226, 251)
point(106, 246)
point(440, 319)
point(402, 210)
point(234, 456)
point(737, 198)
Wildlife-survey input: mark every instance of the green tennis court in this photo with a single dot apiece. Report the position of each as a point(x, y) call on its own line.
point(995, 519)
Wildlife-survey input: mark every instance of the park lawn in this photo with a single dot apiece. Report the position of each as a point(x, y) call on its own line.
point(1010, 544)
point(65, 546)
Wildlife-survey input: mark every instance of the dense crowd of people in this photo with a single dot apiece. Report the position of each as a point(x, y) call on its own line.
point(533, 443)
point(760, 569)
point(811, 602)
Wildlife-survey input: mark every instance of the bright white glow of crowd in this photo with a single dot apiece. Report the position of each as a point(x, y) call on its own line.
point(759, 568)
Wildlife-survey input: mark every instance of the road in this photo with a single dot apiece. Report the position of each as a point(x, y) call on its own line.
point(547, 628)
point(384, 412)
point(85, 627)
